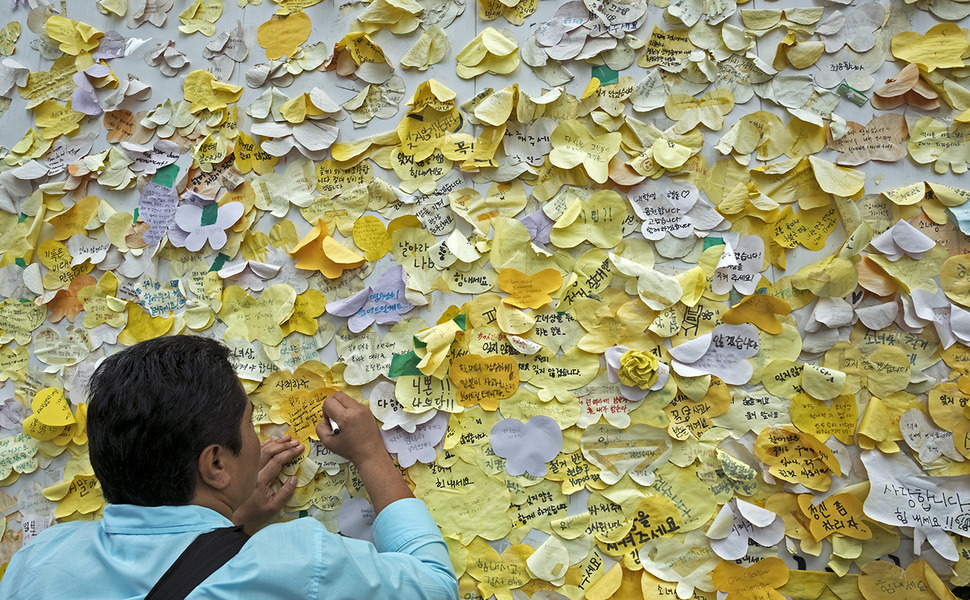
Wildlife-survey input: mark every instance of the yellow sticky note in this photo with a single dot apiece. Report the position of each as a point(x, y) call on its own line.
point(420, 176)
point(205, 92)
point(201, 16)
point(372, 237)
point(841, 514)
point(636, 450)
point(598, 220)
point(307, 307)
point(656, 516)
point(879, 426)
point(909, 272)
point(333, 179)
point(830, 276)
point(549, 562)
point(498, 574)
point(468, 430)
point(302, 410)
point(18, 453)
point(55, 256)
point(101, 305)
point(8, 38)
point(514, 11)
point(545, 494)
point(758, 581)
point(19, 319)
point(669, 50)
point(946, 402)
point(529, 291)
point(55, 120)
point(955, 279)
point(573, 144)
point(433, 345)
point(51, 406)
point(822, 383)
point(429, 49)
point(58, 83)
point(80, 494)
point(882, 579)
point(797, 457)
point(252, 157)
point(357, 54)
point(942, 47)
point(484, 381)
point(690, 418)
point(283, 34)
point(142, 326)
point(320, 252)
point(434, 116)
point(687, 560)
point(257, 319)
point(709, 110)
point(73, 37)
point(52, 415)
point(553, 381)
point(884, 370)
point(617, 584)
point(280, 384)
point(808, 227)
point(400, 16)
point(815, 417)
point(474, 153)
point(411, 248)
point(465, 502)
point(491, 51)
point(606, 327)
point(760, 311)
point(13, 361)
point(74, 219)
point(502, 200)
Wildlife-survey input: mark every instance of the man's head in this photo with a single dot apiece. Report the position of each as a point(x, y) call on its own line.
point(152, 411)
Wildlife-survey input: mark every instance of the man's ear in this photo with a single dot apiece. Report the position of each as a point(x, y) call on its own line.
point(213, 470)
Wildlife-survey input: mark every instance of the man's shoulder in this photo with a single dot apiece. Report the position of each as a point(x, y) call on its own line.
point(304, 526)
point(58, 533)
point(47, 547)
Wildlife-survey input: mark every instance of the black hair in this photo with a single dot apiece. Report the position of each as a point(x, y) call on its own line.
point(152, 409)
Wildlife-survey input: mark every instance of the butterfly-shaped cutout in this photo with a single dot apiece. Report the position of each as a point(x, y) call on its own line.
point(573, 145)
point(196, 225)
point(257, 319)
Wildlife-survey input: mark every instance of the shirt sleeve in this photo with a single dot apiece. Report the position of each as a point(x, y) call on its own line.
point(408, 559)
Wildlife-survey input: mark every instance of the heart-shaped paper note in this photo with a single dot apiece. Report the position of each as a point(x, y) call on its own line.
point(527, 447)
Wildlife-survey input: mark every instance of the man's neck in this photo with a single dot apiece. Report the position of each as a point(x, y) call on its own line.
point(212, 499)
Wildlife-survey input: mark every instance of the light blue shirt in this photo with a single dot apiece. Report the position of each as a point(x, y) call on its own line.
point(124, 554)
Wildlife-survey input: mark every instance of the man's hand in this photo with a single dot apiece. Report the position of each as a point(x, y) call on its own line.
point(360, 441)
point(265, 502)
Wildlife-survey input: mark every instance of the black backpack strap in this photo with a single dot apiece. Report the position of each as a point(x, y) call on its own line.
point(203, 556)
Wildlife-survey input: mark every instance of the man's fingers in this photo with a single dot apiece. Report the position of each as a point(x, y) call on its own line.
point(337, 408)
point(324, 428)
point(283, 495)
point(274, 464)
point(336, 405)
point(270, 448)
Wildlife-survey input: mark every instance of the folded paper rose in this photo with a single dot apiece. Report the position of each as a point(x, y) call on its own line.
point(637, 372)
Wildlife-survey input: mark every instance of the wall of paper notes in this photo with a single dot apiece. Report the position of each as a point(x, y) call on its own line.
point(651, 299)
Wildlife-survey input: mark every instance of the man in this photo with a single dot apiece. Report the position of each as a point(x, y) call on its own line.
point(173, 445)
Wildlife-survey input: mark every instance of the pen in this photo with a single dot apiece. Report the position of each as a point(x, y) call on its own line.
point(334, 426)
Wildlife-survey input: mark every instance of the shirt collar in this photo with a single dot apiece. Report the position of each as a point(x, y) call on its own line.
point(152, 520)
